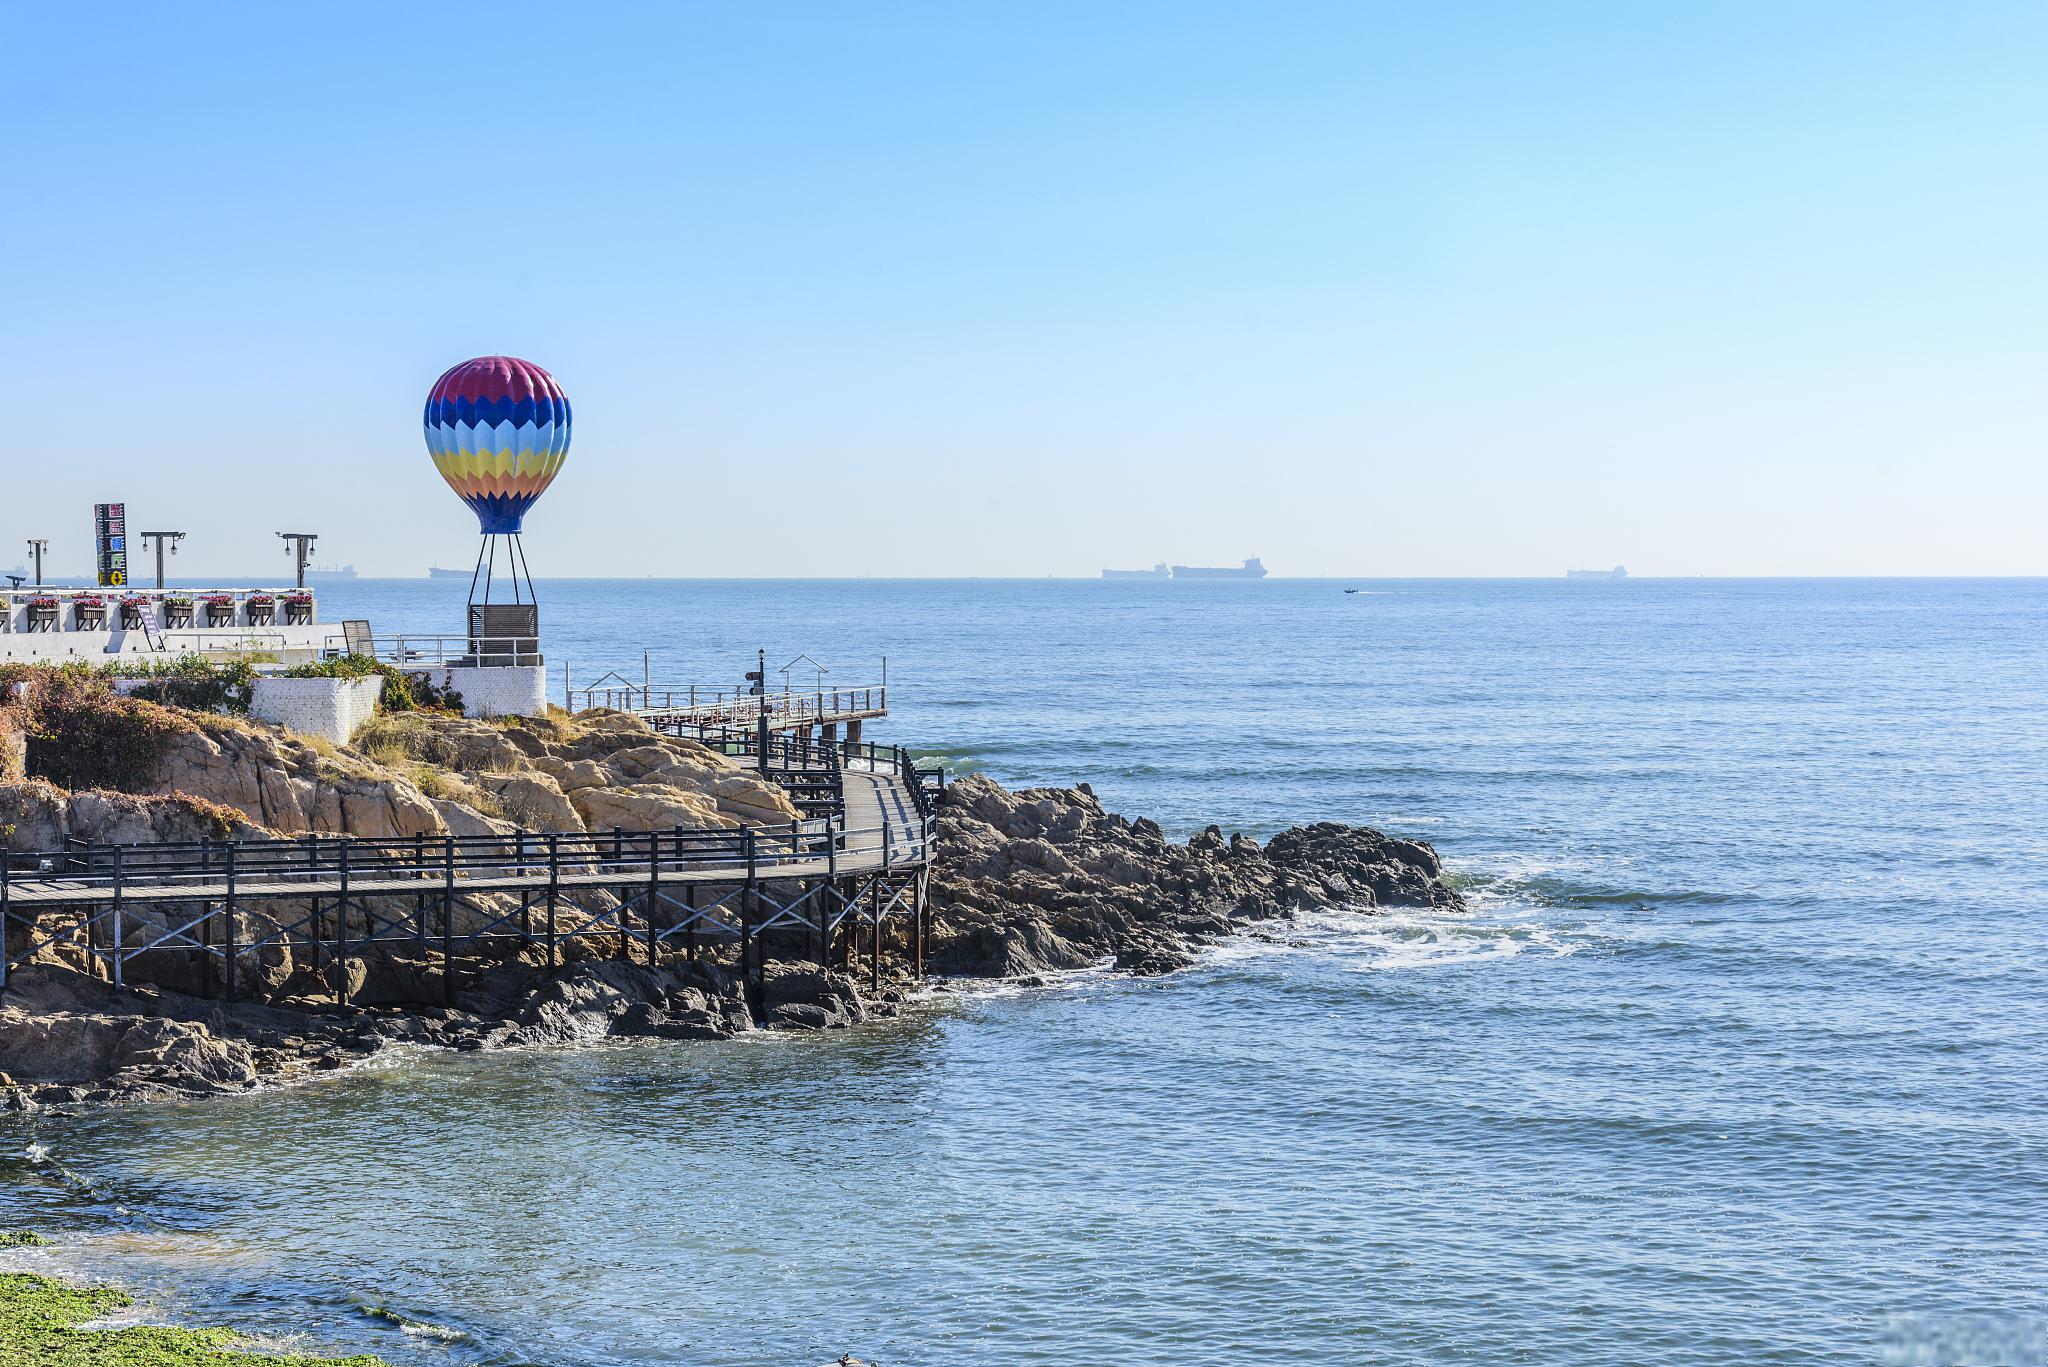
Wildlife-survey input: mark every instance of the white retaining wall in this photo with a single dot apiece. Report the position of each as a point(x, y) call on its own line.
point(498, 690)
point(334, 708)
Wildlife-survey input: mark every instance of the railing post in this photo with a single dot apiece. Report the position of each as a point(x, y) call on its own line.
point(118, 978)
point(834, 828)
point(448, 920)
point(653, 889)
point(233, 951)
point(875, 924)
point(6, 910)
point(747, 908)
point(525, 893)
point(205, 921)
point(341, 933)
point(554, 889)
point(921, 930)
point(419, 900)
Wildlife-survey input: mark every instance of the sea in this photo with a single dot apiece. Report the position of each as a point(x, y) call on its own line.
point(1739, 1056)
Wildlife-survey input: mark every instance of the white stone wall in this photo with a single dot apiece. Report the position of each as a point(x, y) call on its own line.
point(498, 690)
point(334, 708)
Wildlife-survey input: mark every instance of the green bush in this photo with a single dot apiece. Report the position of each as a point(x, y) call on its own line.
point(196, 682)
point(81, 734)
point(403, 691)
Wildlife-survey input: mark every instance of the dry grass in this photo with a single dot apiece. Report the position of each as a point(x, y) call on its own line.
point(396, 740)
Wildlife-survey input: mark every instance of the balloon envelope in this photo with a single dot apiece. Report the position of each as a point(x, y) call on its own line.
point(498, 428)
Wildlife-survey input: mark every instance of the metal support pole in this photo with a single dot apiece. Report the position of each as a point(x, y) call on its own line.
point(653, 889)
point(921, 927)
point(880, 909)
point(341, 934)
point(554, 890)
point(118, 979)
point(618, 866)
point(233, 935)
point(6, 912)
point(761, 722)
point(419, 902)
point(747, 905)
point(205, 922)
point(448, 921)
point(313, 907)
point(829, 894)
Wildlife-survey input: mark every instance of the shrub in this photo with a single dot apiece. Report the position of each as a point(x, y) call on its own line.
point(403, 691)
point(199, 683)
point(82, 735)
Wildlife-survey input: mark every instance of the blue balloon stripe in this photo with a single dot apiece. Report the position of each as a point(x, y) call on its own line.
point(500, 514)
point(491, 412)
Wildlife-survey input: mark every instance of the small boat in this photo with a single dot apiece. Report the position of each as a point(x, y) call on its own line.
point(1351, 590)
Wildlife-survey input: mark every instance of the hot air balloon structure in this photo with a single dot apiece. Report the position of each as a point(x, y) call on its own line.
point(498, 428)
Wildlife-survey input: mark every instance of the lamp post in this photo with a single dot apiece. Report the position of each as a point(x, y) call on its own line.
point(758, 677)
point(160, 538)
point(301, 549)
point(36, 546)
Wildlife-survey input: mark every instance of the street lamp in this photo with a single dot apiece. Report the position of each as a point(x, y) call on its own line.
point(160, 538)
point(302, 549)
point(36, 546)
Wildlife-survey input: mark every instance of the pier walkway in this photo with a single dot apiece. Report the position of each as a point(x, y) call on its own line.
point(860, 859)
point(699, 710)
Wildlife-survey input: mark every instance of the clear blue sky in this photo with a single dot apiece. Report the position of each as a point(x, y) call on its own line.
point(1401, 289)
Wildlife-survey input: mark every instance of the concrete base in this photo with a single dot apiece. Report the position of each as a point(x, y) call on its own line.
point(334, 708)
point(498, 690)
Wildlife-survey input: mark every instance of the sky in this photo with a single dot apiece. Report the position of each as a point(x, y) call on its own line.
point(972, 289)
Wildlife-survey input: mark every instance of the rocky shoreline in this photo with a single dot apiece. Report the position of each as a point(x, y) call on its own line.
point(1023, 884)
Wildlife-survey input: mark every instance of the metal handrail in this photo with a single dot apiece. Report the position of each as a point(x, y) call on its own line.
point(734, 706)
point(411, 648)
point(174, 865)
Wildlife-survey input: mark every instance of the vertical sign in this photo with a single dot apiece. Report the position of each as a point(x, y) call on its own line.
point(110, 539)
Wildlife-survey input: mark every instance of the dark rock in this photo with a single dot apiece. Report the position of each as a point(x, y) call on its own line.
point(1032, 882)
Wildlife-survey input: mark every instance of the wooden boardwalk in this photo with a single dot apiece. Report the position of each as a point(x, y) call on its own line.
point(861, 863)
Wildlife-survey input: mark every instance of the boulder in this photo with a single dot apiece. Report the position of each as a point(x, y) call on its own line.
point(648, 807)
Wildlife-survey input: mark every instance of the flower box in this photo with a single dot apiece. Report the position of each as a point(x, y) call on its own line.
point(135, 613)
point(298, 609)
point(178, 612)
point(42, 614)
point(220, 609)
point(89, 610)
point(262, 608)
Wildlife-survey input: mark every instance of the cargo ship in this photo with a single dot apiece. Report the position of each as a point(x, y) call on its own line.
point(1618, 572)
point(1251, 569)
point(330, 571)
point(1158, 571)
point(436, 572)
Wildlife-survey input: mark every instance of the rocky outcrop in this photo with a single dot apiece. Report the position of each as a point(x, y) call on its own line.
point(597, 773)
point(282, 782)
point(1045, 879)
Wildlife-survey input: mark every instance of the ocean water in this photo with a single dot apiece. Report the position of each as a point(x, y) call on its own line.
point(1742, 1055)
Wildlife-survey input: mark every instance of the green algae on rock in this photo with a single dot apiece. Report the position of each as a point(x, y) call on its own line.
point(39, 1327)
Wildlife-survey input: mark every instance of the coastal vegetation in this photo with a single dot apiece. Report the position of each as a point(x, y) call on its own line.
point(77, 732)
point(44, 1323)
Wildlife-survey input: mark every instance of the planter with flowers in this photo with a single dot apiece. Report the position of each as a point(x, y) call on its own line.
point(298, 609)
point(177, 611)
point(89, 610)
point(135, 612)
point(42, 614)
point(262, 609)
point(220, 609)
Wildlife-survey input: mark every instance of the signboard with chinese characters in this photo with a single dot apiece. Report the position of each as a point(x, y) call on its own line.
point(110, 541)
